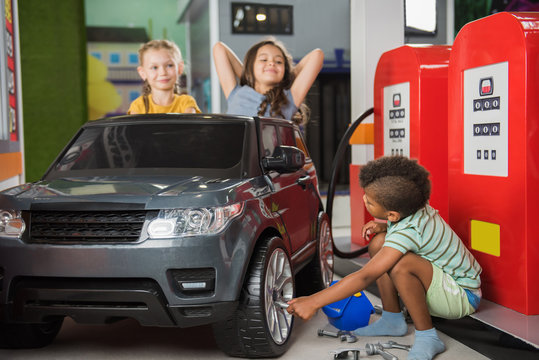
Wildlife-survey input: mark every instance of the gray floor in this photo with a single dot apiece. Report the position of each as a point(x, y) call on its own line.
point(128, 340)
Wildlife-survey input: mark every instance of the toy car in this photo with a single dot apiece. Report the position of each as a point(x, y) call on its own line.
point(170, 219)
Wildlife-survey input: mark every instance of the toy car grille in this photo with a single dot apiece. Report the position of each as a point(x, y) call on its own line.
point(65, 227)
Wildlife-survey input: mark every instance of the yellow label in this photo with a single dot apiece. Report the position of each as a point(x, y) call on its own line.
point(485, 237)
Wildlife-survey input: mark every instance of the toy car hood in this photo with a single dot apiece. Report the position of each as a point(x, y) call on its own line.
point(140, 193)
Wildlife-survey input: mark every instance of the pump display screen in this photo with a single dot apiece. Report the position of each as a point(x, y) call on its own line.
point(486, 120)
point(397, 119)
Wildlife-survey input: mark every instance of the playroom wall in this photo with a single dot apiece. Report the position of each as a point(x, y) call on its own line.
point(53, 71)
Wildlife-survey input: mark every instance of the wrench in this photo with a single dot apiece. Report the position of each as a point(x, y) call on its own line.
point(342, 334)
point(377, 349)
point(343, 353)
point(349, 337)
point(281, 304)
point(393, 345)
point(322, 332)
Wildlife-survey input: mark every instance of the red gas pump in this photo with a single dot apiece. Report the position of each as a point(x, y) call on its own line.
point(410, 118)
point(410, 111)
point(493, 153)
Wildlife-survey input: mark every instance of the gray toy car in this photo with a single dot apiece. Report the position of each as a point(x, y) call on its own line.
point(172, 220)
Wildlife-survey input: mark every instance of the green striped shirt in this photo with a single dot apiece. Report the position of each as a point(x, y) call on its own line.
point(426, 234)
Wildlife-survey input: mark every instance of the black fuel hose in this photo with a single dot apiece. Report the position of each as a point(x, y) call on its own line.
point(337, 162)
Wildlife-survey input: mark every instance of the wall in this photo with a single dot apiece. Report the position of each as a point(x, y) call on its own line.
point(159, 17)
point(317, 23)
point(53, 71)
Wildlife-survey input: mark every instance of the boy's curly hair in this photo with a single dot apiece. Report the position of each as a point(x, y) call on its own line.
point(398, 183)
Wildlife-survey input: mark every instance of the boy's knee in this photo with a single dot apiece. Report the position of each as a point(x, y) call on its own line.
point(410, 263)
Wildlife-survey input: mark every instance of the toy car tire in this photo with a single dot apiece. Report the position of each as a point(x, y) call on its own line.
point(28, 336)
point(260, 328)
point(318, 274)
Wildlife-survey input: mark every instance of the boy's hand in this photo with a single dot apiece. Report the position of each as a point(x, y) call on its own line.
point(373, 227)
point(302, 307)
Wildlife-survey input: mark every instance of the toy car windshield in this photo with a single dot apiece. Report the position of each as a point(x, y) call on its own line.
point(153, 148)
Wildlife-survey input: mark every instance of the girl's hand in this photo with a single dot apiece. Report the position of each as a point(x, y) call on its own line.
point(373, 227)
point(302, 307)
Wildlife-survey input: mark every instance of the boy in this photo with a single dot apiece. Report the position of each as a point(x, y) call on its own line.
point(415, 255)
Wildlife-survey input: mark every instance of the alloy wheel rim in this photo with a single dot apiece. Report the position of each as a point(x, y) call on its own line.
point(326, 253)
point(279, 286)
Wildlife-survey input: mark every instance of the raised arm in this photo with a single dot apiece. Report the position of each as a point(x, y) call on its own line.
point(228, 66)
point(306, 72)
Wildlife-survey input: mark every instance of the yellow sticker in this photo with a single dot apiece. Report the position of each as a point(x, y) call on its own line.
point(485, 237)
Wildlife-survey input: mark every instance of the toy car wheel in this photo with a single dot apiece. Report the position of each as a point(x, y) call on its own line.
point(325, 250)
point(318, 274)
point(28, 336)
point(260, 327)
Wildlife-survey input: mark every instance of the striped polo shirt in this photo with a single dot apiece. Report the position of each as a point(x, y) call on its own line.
point(426, 234)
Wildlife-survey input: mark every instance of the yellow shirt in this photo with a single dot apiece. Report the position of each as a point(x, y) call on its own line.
point(180, 104)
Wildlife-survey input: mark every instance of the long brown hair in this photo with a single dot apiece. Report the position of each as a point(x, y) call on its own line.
point(275, 98)
point(158, 45)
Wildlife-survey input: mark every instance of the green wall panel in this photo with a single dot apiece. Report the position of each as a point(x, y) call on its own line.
point(53, 71)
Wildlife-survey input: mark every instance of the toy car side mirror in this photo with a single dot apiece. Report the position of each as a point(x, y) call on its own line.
point(285, 159)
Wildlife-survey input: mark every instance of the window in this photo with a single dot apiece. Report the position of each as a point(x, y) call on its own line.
point(133, 94)
point(96, 54)
point(287, 136)
point(420, 17)
point(114, 58)
point(253, 18)
point(133, 59)
point(157, 147)
point(269, 139)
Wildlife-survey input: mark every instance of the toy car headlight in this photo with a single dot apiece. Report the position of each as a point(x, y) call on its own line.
point(11, 223)
point(192, 221)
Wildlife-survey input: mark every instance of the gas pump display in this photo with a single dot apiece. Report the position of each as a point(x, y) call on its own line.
point(485, 120)
point(397, 120)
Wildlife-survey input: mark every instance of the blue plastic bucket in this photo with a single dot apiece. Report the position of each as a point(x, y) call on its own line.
point(350, 313)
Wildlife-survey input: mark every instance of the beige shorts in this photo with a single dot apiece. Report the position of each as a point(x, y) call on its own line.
point(446, 298)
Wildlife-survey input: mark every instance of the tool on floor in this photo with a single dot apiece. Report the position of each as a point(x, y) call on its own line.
point(371, 349)
point(343, 353)
point(350, 338)
point(322, 332)
point(393, 345)
point(377, 349)
point(342, 334)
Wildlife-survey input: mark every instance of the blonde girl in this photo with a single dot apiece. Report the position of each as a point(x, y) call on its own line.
point(269, 84)
point(160, 67)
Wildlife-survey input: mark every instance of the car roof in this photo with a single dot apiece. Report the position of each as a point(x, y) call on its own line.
point(171, 117)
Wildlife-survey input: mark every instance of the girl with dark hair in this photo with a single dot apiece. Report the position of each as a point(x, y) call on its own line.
point(269, 83)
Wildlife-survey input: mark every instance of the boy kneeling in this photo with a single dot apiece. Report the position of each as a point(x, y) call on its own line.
point(416, 256)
